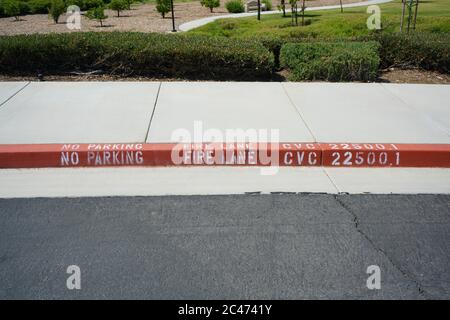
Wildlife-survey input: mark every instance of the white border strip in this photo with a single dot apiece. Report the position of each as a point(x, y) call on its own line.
point(97, 182)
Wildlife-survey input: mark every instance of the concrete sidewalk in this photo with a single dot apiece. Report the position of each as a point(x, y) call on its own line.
point(127, 181)
point(138, 112)
point(151, 112)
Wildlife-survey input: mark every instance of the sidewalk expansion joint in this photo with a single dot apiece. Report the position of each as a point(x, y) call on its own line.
point(298, 112)
point(4, 102)
point(153, 112)
point(331, 179)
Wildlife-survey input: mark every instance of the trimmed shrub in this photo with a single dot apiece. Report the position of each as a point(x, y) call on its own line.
point(235, 6)
point(24, 8)
point(163, 7)
point(79, 3)
point(272, 43)
point(39, 6)
point(91, 4)
point(428, 51)
point(346, 61)
point(12, 8)
point(97, 13)
point(125, 53)
point(57, 8)
point(118, 5)
point(211, 4)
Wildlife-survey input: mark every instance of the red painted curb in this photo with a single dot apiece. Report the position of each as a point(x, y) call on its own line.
point(385, 155)
point(218, 154)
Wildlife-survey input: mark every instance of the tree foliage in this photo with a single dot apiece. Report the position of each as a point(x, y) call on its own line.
point(12, 8)
point(163, 7)
point(118, 5)
point(211, 4)
point(98, 14)
point(57, 8)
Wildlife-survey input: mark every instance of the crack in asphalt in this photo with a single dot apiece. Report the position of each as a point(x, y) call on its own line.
point(356, 222)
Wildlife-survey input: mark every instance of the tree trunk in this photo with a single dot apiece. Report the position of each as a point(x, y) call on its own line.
point(415, 15)
point(259, 9)
point(118, 13)
point(292, 14)
point(409, 16)
point(342, 8)
point(403, 15)
point(303, 13)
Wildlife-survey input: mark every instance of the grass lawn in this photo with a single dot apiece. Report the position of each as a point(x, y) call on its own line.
point(433, 16)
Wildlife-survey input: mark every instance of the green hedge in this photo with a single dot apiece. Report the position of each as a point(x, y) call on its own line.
point(146, 54)
point(347, 61)
point(235, 6)
point(39, 6)
point(24, 8)
point(428, 51)
point(273, 43)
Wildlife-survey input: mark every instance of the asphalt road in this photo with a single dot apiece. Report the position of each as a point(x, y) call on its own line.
point(290, 246)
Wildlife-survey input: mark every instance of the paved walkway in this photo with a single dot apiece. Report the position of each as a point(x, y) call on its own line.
point(154, 112)
point(200, 22)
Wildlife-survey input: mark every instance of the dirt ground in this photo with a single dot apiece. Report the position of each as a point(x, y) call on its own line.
point(142, 18)
point(391, 76)
point(414, 76)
